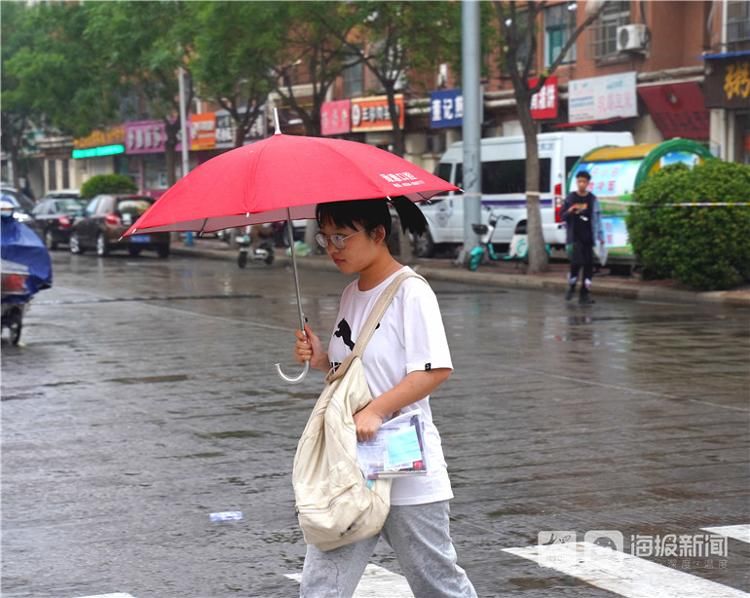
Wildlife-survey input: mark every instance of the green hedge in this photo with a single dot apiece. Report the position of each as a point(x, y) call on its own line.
point(108, 183)
point(707, 248)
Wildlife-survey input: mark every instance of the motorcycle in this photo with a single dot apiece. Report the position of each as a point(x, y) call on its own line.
point(249, 250)
point(26, 270)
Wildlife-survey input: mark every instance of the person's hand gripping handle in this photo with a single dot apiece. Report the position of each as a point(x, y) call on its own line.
point(309, 348)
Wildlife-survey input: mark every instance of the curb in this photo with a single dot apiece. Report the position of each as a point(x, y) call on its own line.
point(517, 281)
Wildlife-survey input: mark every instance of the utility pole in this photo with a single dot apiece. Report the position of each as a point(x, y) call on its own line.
point(184, 126)
point(472, 175)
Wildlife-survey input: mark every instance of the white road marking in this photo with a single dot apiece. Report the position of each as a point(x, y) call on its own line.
point(117, 595)
point(622, 573)
point(376, 582)
point(737, 532)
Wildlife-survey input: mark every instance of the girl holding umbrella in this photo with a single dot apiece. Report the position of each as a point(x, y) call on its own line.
point(406, 359)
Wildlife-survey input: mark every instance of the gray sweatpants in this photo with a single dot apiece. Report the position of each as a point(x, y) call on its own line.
point(420, 537)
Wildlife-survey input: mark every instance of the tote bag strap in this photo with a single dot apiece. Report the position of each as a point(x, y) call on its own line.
point(377, 313)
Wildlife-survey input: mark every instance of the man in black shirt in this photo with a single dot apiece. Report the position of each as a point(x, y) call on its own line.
point(581, 213)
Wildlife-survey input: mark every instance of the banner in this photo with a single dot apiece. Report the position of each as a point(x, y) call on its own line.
point(545, 103)
point(371, 114)
point(446, 108)
point(203, 131)
point(335, 117)
point(602, 98)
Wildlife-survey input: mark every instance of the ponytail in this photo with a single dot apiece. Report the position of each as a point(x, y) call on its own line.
point(411, 217)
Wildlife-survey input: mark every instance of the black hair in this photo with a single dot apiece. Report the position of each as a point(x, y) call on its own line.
point(371, 213)
point(583, 174)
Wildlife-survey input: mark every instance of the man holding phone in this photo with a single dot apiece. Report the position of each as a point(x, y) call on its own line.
point(584, 228)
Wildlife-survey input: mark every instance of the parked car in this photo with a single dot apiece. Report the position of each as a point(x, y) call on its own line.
point(54, 217)
point(104, 221)
point(23, 205)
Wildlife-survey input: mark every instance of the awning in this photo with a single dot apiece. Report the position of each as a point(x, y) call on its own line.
point(586, 123)
point(678, 110)
point(720, 55)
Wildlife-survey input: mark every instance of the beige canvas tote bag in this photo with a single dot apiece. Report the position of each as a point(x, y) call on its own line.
point(335, 504)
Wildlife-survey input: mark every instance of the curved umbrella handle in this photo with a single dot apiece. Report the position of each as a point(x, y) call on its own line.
point(293, 380)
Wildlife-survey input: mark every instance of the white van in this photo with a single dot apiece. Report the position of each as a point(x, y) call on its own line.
point(503, 186)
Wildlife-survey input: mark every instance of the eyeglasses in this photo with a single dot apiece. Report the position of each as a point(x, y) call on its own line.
point(339, 241)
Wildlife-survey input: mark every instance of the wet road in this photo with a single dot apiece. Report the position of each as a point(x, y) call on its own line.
point(144, 397)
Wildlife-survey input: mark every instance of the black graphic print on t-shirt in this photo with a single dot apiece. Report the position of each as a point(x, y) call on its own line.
point(344, 332)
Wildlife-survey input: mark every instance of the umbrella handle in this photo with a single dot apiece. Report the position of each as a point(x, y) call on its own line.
point(293, 380)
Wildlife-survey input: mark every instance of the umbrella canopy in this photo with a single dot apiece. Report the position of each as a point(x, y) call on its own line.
point(280, 177)
point(283, 178)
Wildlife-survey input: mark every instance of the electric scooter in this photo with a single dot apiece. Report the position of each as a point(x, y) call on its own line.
point(485, 232)
point(262, 253)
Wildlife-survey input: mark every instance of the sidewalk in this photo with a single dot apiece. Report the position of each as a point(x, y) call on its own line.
point(506, 275)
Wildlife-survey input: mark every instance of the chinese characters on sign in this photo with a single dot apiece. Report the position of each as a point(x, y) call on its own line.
point(145, 137)
point(334, 117)
point(98, 138)
point(371, 114)
point(737, 80)
point(203, 131)
point(544, 103)
point(602, 98)
point(226, 129)
point(446, 108)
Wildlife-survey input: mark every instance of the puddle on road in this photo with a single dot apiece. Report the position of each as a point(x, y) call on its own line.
point(231, 434)
point(150, 379)
point(148, 298)
point(210, 455)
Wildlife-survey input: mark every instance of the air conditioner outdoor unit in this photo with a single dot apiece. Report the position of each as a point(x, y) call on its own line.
point(632, 38)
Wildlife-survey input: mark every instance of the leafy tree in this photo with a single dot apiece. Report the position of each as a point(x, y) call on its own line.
point(404, 37)
point(313, 42)
point(107, 183)
point(51, 79)
point(518, 25)
point(143, 45)
point(235, 50)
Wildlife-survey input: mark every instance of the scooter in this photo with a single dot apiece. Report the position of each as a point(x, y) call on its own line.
point(263, 252)
point(485, 232)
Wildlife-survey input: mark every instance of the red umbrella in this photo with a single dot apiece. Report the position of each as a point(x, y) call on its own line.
point(283, 178)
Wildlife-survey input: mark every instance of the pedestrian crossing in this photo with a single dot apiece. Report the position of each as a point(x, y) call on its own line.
point(623, 574)
point(612, 570)
point(376, 582)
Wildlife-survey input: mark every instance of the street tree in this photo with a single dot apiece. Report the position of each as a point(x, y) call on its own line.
point(394, 38)
point(233, 59)
point(313, 45)
point(518, 25)
point(51, 78)
point(144, 44)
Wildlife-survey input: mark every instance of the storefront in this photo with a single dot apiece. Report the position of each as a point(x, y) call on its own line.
point(146, 159)
point(727, 94)
point(101, 152)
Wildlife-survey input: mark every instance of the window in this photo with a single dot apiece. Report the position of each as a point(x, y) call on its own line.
point(65, 175)
point(559, 25)
point(508, 176)
point(51, 174)
point(91, 207)
point(443, 171)
point(354, 78)
point(738, 21)
point(604, 32)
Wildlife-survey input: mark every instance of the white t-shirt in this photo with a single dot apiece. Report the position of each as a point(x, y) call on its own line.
point(410, 338)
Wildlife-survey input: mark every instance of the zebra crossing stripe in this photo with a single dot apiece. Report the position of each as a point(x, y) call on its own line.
point(115, 595)
point(736, 532)
point(622, 573)
point(376, 582)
